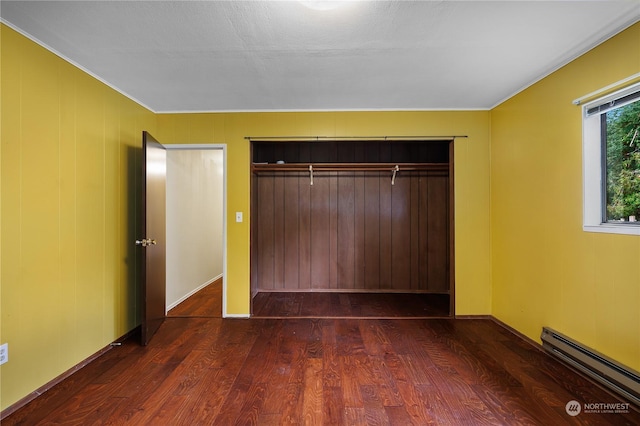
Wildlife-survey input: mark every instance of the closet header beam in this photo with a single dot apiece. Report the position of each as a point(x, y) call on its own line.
point(351, 138)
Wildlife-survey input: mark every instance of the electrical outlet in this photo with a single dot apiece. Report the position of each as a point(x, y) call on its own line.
point(4, 353)
point(238, 216)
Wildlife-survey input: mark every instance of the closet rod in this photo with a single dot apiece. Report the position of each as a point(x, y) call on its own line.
point(355, 167)
point(351, 138)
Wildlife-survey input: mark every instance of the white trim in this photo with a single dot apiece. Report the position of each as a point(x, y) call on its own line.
point(275, 110)
point(609, 228)
point(192, 292)
point(223, 147)
point(591, 173)
point(224, 232)
point(187, 146)
point(247, 316)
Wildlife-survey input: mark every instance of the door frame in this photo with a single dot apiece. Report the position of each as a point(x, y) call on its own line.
point(223, 147)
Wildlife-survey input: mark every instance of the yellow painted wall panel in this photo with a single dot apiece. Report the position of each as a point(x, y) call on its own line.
point(10, 198)
point(66, 320)
point(201, 128)
point(70, 163)
point(112, 204)
point(90, 204)
point(39, 168)
point(218, 128)
point(546, 271)
point(128, 181)
point(39, 227)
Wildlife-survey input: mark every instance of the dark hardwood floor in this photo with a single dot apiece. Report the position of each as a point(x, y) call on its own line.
point(203, 370)
point(350, 305)
point(205, 303)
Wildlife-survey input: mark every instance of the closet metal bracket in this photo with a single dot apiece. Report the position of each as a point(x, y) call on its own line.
point(310, 174)
point(395, 170)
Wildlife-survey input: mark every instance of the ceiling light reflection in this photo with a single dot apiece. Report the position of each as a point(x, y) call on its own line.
point(324, 4)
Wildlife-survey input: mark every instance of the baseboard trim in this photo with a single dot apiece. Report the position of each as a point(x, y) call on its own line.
point(471, 317)
point(242, 316)
point(537, 345)
point(59, 379)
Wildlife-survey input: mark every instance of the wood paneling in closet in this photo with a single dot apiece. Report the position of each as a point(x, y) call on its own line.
point(351, 231)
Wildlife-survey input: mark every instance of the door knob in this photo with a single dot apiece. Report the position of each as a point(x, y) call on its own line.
point(145, 242)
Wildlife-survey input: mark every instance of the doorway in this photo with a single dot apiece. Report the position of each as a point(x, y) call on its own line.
point(196, 225)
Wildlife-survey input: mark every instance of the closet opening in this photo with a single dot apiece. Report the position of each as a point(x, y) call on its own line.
point(352, 228)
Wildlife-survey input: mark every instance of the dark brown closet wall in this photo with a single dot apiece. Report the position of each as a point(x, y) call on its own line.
point(351, 230)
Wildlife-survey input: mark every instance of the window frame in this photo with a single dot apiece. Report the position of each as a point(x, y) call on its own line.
point(594, 164)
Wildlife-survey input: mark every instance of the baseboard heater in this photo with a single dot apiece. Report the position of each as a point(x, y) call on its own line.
point(618, 378)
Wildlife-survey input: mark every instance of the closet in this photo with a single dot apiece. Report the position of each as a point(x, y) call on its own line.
point(352, 215)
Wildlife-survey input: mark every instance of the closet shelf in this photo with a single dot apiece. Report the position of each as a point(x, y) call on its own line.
point(355, 167)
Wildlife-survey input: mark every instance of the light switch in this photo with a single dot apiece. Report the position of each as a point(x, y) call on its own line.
point(238, 216)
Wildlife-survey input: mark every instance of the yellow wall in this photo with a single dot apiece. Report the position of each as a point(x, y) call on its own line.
point(70, 181)
point(546, 270)
point(473, 292)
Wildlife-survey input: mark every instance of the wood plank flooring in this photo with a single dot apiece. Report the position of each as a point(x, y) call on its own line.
point(211, 371)
point(205, 303)
point(350, 305)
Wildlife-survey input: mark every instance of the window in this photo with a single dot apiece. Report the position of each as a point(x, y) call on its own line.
point(611, 156)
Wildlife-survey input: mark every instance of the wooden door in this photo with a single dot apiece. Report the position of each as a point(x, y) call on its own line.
point(154, 166)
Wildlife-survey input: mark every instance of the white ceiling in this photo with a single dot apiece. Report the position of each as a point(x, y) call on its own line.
point(292, 55)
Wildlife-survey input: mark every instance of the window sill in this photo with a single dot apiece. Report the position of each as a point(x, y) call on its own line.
point(613, 228)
